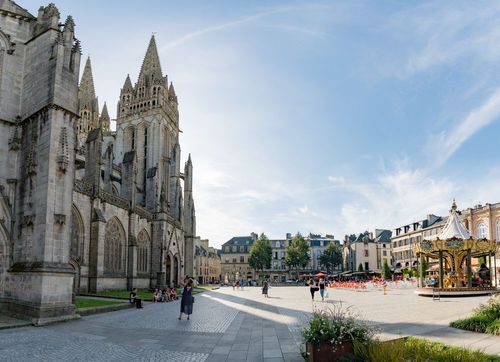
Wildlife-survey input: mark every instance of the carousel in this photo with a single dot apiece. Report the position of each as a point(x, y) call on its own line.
point(455, 249)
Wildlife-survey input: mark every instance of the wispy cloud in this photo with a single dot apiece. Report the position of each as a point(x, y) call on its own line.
point(447, 143)
point(215, 28)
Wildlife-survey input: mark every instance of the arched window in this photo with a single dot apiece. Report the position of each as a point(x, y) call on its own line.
point(143, 252)
point(481, 231)
point(77, 240)
point(114, 240)
point(498, 230)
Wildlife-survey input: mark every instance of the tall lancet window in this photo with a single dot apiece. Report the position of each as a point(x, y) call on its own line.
point(114, 247)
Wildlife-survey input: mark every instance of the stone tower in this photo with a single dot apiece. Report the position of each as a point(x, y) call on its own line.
point(41, 107)
point(88, 106)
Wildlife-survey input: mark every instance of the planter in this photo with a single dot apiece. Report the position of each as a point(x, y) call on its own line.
point(324, 352)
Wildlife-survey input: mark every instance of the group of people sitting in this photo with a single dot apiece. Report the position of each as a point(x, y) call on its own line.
point(166, 295)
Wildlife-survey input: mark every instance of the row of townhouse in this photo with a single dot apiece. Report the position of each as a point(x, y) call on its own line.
point(235, 253)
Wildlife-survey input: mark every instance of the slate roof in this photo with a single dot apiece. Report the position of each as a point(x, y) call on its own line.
point(239, 240)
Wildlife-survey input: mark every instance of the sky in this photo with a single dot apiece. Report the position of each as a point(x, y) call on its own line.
point(315, 116)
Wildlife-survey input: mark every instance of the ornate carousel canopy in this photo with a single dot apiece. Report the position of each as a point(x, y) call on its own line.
point(454, 239)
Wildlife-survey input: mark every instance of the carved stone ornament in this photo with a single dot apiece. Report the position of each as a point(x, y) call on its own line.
point(60, 219)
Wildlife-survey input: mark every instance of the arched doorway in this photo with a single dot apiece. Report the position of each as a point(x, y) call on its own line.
point(176, 270)
point(76, 277)
point(168, 270)
point(4, 259)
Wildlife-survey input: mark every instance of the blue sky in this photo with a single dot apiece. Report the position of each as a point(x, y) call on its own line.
point(316, 116)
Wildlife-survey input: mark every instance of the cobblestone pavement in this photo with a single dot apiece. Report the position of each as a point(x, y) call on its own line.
point(233, 325)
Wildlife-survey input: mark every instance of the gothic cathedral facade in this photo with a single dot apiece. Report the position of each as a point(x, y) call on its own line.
point(84, 208)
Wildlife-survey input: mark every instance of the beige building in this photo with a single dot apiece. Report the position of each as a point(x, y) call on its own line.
point(234, 259)
point(481, 221)
point(404, 237)
point(206, 263)
point(368, 250)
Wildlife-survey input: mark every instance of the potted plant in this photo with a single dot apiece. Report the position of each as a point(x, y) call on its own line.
point(330, 334)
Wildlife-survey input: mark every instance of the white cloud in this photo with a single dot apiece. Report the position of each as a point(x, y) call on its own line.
point(336, 180)
point(446, 144)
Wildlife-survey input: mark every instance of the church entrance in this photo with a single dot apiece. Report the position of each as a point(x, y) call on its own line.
point(3, 262)
point(168, 271)
point(176, 270)
point(76, 276)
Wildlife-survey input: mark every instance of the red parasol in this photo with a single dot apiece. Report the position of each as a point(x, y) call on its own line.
point(320, 275)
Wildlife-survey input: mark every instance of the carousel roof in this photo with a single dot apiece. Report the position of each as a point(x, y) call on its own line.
point(453, 228)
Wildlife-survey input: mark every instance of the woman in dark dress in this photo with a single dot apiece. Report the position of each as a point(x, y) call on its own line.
point(187, 299)
point(265, 288)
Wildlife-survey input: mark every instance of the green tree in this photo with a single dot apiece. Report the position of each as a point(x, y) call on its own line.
point(261, 254)
point(331, 257)
point(386, 271)
point(297, 253)
point(422, 269)
point(360, 267)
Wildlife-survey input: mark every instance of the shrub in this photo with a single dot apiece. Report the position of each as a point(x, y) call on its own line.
point(416, 350)
point(486, 318)
point(335, 326)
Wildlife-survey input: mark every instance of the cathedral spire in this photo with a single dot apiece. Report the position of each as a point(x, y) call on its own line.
point(87, 82)
point(151, 68)
point(105, 120)
point(127, 86)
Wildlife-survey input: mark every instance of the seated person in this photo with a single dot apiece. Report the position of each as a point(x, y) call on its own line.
point(159, 296)
point(134, 299)
point(155, 295)
point(173, 294)
point(165, 295)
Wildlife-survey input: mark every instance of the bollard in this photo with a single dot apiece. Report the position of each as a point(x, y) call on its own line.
point(385, 289)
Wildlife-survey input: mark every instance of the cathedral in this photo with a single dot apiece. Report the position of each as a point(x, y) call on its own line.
point(84, 208)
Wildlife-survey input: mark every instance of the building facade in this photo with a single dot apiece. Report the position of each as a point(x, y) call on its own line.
point(404, 237)
point(207, 263)
point(83, 208)
point(368, 250)
point(234, 259)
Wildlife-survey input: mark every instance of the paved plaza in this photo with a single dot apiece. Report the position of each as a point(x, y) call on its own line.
point(232, 325)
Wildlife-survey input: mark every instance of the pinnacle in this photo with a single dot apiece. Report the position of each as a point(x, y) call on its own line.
point(128, 84)
point(171, 89)
point(151, 67)
point(87, 82)
point(104, 113)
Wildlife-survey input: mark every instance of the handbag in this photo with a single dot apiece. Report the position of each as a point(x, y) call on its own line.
point(192, 299)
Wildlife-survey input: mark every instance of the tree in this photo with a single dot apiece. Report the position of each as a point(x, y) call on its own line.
point(360, 267)
point(331, 257)
point(386, 271)
point(261, 254)
point(422, 269)
point(297, 253)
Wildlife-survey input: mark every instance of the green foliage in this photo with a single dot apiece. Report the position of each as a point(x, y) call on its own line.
point(331, 257)
point(422, 268)
point(334, 326)
point(486, 318)
point(386, 271)
point(297, 253)
point(360, 267)
point(82, 302)
point(416, 350)
point(261, 254)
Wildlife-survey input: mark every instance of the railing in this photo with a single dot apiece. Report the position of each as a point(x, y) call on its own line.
point(143, 213)
point(114, 199)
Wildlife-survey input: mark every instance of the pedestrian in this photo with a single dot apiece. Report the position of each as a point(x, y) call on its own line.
point(265, 288)
point(134, 299)
point(241, 283)
point(187, 300)
point(322, 288)
point(312, 287)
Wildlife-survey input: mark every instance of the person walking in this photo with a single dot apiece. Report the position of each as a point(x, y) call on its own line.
point(312, 287)
point(322, 288)
point(265, 288)
point(187, 299)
